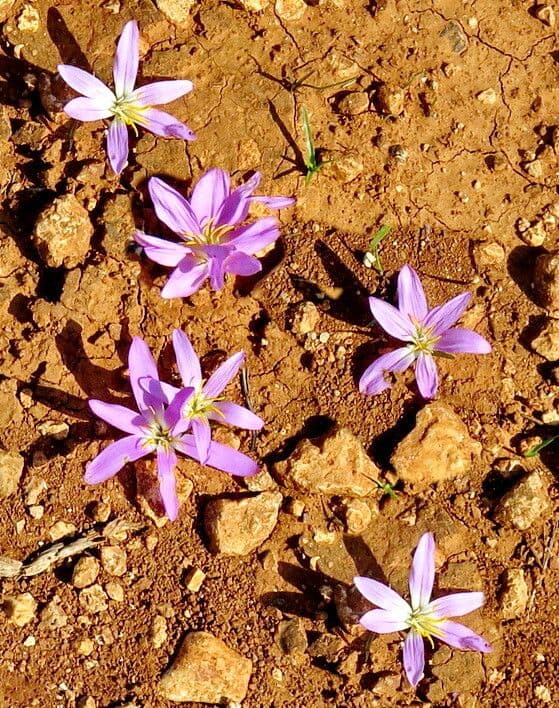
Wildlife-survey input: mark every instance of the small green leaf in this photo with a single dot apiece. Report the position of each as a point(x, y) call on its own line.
point(536, 449)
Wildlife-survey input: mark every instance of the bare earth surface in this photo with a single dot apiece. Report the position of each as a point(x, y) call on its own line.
point(447, 132)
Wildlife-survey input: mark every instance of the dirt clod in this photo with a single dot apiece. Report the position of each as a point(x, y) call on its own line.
point(206, 670)
point(239, 526)
point(63, 233)
point(11, 468)
point(20, 609)
point(335, 464)
point(390, 100)
point(525, 503)
point(85, 572)
point(515, 594)
point(546, 343)
point(438, 448)
point(93, 599)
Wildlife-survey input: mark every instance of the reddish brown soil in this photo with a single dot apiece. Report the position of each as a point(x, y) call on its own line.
point(65, 335)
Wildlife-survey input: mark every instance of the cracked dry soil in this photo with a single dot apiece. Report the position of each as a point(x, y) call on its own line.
point(445, 130)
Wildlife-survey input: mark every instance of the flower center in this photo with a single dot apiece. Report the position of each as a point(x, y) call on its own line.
point(129, 111)
point(423, 623)
point(199, 405)
point(211, 235)
point(424, 340)
point(158, 435)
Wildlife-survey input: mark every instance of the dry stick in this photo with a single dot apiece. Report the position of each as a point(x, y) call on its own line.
point(245, 389)
point(548, 550)
point(38, 563)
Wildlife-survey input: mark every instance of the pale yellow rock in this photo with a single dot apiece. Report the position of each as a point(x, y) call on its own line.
point(291, 10)
point(194, 579)
point(20, 609)
point(28, 20)
point(85, 572)
point(238, 526)
point(437, 449)
point(177, 11)
point(545, 280)
point(158, 632)
point(11, 468)
point(546, 343)
point(254, 5)
point(115, 591)
point(63, 232)
point(93, 599)
point(60, 529)
point(514, 598)
point(525, 504)
point(206, 670)
point(113, 560)
point(335, 464)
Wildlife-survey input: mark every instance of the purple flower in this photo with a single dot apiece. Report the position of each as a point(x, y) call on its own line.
point(215, 239)
point(127, 105)
point(206, 402)
point(423, 617)
point(157, 427)
point(428, 333)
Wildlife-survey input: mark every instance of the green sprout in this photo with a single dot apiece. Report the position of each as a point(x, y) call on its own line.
point(386, 488)
point(536, 449)
point(371, 259)
point(312, 161)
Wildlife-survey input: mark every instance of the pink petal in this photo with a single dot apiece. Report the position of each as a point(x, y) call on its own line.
point(161, 92)
point(127, 57)
point(461, 637)
point(221, 457)
point(382, 596)
point(233, 414)
point(186, 279)
point(457, 604)
point(118, 416)
point(202, 437)
point(391, 319)
point(223, 375)
point(426, 376)
point(173, 414)
point(239, 263)
point(382, 622)
point(275, 202)
point(166, 463)
point(144, 378)
point(372, 380)
point(422, 573)
point(187, 360)
point(117, 145)
point(86, 109)
point(414, 658)
point(166, 125)
point(113, 458)
point(172, 208)
point(234, 209)
point(462, 341)
point(209, 193)
point(253, 238)
point(159, 250)
point(411, 296)
point(88, 85)
point(441, 318)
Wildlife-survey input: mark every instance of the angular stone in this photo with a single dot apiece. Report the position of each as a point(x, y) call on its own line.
point(63, 232)
point(206, 670)
point(437, 449)
point(11, 468)
point(85, 572)
point(546, 343)
point(158, 631)
point(93, 599)
point(335, 464)
point(546, 280)
point(390, 100)
point(305, 318)
point(356, 515)
point(20, 610)
point(53, 616)
point(524, 504)
point(353, 103)
point(113, 559)
point(238, 526)
point(176, 11)
point(514, 598)
point(291, 10)
point(291, 636)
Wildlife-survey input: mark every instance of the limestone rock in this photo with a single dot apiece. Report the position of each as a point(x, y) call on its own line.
point(546, 280)
point(206, 670)
point(545, 14)
point(63, 232)
point(488, 97)
point(158, 631)
point(113, 559)
point(514, 598)
point(305, 318)
point(176, 11)
point(11, 467)
point(290, 10)
point(20, 610)
point(437, 449)
point(333, 464)
point(546, 343)
point(353, 103)
point(390, 100)
point(85, 572)
point(291, 636)
point(254, 5)
point(346, 167)
point(356, 515)
point(524, 504)
point(93, 599)
point(236, 527)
